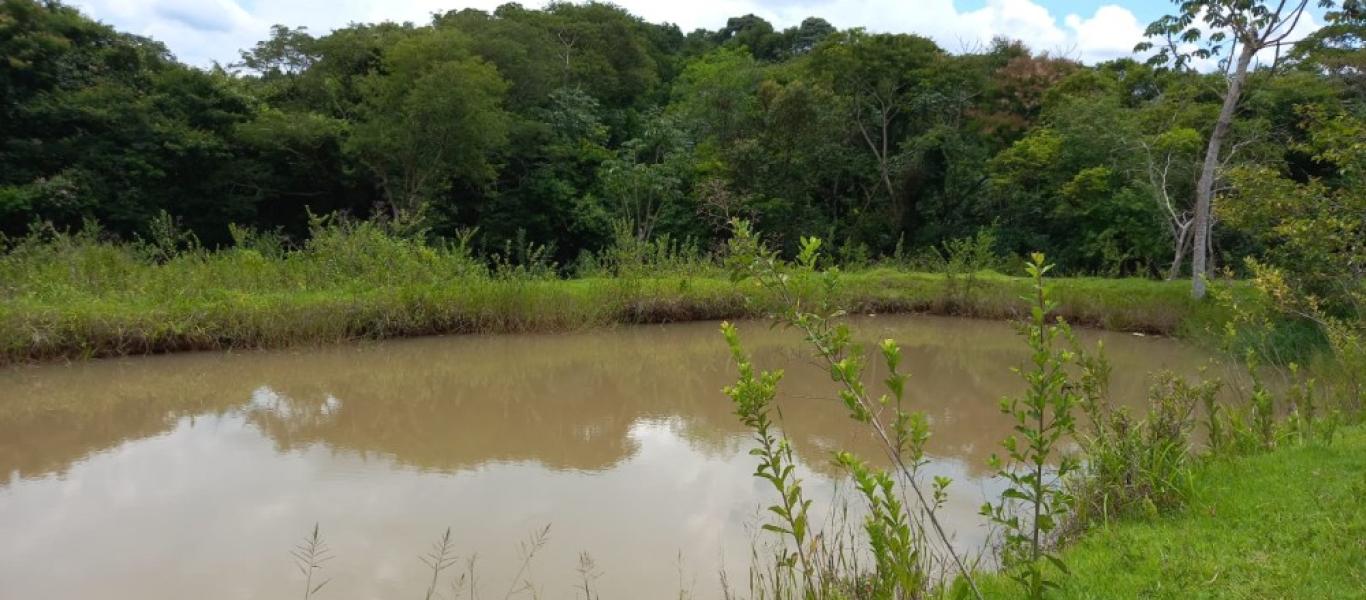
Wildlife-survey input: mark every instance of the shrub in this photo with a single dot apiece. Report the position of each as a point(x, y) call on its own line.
point(1139, 466)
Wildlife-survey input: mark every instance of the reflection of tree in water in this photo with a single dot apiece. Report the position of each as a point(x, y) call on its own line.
point(54, 416)
point(566, 401)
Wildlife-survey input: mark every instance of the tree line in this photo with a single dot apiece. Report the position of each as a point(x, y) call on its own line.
point(561, 124)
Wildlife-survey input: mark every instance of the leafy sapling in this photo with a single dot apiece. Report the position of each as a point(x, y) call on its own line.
point(807, 302)
point(753, 395)
point(1035, 499)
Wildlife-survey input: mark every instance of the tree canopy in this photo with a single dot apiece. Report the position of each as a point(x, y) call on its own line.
point(557, 124)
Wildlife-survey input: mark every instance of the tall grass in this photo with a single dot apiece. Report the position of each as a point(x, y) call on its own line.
point(80, 295)
point(1138, 465)
point(309, 557)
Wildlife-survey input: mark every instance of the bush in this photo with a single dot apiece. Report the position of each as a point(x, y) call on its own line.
point(1139, 467)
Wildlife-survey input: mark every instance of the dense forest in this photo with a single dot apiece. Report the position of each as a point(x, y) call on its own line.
point(560, 124)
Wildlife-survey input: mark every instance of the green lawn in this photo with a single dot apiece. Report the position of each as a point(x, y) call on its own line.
point(1288, 524)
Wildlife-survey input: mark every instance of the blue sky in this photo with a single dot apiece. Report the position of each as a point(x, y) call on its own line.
point(201, 32)
point(1145, 10)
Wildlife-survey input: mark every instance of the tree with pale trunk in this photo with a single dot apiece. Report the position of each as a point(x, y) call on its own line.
point(1238, 30)
point(1167, 160)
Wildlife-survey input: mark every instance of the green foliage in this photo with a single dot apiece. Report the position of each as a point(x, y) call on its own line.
point(897, 537)
point(629, 257)
point(1336, 47)
point(522, 260)
point(81, 294)
point(900, 567)
point(753, 395)
point(210, 210)
point(644, 185)
point(557, 122)
point(716, 94)
point(1035, 501)
point(1224, 25)
point(1313, 231)
point(1138, 466)
point(432, 114)
point(964, 258)
point(1314, 266)
point(104, 125)
point(167, 238)
point(1085, 185)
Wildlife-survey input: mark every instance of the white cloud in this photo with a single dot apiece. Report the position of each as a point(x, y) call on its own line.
point(1020, 19)
point(202, 31)
point(1110, 33)
point(211, 15)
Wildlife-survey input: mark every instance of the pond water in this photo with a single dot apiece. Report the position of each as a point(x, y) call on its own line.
point(194, 475)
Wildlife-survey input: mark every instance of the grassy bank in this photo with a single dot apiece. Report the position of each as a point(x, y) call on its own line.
point(75, 296)
point(1287, 524)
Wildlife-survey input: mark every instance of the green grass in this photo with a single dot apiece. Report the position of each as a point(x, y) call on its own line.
point(76, 297)
point(221, 318)
point(1288, 524)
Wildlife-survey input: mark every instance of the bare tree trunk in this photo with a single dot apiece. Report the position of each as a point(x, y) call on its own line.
point(1182, 236)
point(1204, 191)
point(886, 167)
point(881, 149)
point(1178, 222)
point(568, 48)
point(880, 153)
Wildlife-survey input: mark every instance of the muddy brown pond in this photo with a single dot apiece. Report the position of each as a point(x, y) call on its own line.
point(193, 476)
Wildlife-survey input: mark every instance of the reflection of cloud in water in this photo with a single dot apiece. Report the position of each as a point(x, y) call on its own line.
point(567, 400)
point(213, 495)
point(268, 405)
point(620, 438)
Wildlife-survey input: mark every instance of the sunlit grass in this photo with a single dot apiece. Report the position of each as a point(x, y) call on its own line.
point(75, 297)
point(1285, 524)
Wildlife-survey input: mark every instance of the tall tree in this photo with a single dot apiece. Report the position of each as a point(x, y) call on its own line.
point(649, 177)
point(287, 52)
point(1339, 47)
point(802, 38)
point(434, 113)
point(752, 32)
point(1243, 28)
point(883, 77)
